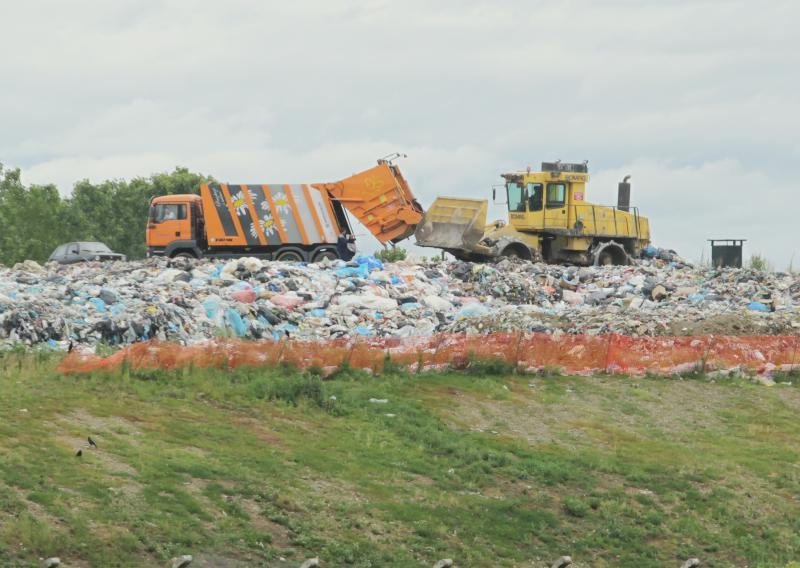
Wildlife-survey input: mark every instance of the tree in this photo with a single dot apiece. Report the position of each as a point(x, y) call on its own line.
point(391, 254)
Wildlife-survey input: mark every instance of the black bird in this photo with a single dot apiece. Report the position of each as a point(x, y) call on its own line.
point(79, 453)
point(92, 442)
point(286, 331)
point(71, 347)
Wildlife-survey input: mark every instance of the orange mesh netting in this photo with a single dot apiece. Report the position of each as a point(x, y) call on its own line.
point(569, 354)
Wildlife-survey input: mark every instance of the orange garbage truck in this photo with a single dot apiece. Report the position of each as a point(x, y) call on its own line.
point(295, 222)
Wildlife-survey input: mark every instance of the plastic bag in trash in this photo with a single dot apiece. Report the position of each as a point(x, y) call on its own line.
point(361, 271)
point(370, 261)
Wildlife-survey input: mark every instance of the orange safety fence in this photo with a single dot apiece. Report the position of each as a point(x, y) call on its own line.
point(567, 354)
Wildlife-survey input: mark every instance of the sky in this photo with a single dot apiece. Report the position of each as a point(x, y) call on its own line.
point(696, 100)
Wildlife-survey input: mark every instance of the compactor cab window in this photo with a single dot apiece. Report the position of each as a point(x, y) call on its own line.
point(556, 195)
point(535, 196)
point(168, 212)
point(516, 201)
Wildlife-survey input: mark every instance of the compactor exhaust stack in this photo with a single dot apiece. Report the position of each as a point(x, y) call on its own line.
point(624, 194)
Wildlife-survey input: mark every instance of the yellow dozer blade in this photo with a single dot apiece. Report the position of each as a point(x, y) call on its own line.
point(453, 223)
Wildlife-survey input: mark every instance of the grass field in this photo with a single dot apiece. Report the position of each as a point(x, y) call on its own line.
point(249, 467)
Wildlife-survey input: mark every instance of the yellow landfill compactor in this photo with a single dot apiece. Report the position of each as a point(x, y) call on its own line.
point(548, 219)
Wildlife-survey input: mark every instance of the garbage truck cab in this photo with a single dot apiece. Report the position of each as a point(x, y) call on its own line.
point(175, 226)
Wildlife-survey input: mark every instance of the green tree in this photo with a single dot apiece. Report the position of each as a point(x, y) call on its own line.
point(391, 254)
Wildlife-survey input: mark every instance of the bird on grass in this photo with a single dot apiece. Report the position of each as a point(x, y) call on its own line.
point(79, 453)
point(92, 443)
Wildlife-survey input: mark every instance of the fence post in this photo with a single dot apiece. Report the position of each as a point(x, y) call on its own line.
point(608, 352)
point(516, 351)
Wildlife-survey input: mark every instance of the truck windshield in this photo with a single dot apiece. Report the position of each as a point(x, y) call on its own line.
point(167, 212)
point(516, 202)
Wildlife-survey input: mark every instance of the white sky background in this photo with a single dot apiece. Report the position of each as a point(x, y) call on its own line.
point(698, 100)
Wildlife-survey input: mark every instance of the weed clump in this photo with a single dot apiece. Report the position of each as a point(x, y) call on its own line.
point(291, 389)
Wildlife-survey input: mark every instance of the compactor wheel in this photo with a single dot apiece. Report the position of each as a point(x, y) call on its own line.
point(610, 253)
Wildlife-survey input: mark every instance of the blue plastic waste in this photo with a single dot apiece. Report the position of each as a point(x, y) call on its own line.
point(211, 305)
point(472, 311)
point(99, 304)
point(235, 322)
point(362, 271)
point(317, 313)
point(365, 331)
point(370, 261)
point(650, 251)
point(757, 307)
point(396, 279)
point(279, 332)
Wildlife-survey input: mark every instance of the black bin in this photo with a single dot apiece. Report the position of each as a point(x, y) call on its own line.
point(726, 253)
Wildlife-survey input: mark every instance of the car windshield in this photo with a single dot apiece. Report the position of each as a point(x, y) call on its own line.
point(94, 247)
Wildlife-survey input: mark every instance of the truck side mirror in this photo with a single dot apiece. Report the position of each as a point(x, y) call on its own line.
point(494, 194)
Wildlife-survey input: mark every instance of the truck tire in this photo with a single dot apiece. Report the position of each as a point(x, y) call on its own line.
point(289, 256)
point(323, 254)
point(184, 254)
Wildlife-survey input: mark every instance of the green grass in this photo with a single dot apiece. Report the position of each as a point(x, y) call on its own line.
point(241, 468)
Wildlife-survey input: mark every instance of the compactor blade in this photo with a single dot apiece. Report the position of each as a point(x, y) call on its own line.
point(453, 223)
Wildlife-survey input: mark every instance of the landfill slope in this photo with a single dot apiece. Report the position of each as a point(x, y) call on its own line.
point(189, 301)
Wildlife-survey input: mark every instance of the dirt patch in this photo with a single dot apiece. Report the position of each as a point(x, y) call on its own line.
point(729, 324)
point(279, 534)
point(37, 511)
point(217, 561)
point(109, 462)
point(256, 427)
point(673, 407)
point(521, 416)
point(101, 424)
point(330, 490)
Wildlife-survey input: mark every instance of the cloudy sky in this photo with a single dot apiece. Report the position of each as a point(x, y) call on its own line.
point(697, 100)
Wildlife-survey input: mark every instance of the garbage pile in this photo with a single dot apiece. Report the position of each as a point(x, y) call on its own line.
point(189, 301)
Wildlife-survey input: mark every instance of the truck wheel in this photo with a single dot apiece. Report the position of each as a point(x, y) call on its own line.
point(323, 254)
point(289, 256)
point(184, 255)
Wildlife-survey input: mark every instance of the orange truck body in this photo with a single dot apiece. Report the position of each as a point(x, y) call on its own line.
point(282, 221)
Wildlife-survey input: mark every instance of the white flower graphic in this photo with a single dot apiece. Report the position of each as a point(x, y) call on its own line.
point(267, 225)
point(253, 230)
point(265, 205)
point(282, 204)
point(239, 204)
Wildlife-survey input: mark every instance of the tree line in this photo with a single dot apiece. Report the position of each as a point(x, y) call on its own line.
point(35, 219)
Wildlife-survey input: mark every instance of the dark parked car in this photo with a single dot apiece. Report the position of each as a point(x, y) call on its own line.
point(80, 252)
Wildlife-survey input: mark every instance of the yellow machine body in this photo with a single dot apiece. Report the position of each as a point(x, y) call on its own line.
point(549, 218)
